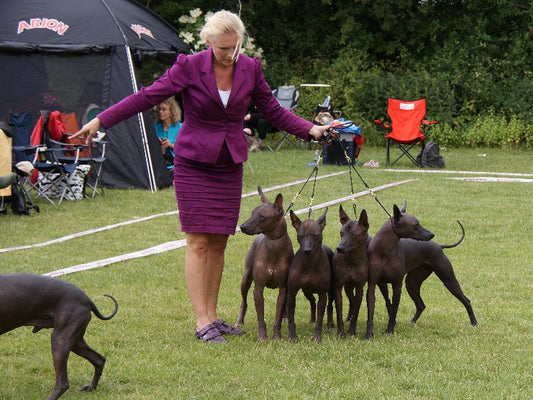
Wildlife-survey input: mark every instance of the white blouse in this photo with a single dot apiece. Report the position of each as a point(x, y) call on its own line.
point(224, 96)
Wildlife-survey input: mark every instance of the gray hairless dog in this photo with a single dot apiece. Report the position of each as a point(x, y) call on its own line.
point(403, 247)
point(267, 261)
point(310, 271)
point(44, 302)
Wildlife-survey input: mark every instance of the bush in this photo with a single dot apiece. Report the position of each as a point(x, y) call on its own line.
point(495, 131)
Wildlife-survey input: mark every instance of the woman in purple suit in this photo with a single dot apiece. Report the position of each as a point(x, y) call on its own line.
point(216, 85)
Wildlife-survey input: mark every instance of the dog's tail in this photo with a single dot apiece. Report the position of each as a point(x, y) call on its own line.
point(449, 246)
point(104, 317)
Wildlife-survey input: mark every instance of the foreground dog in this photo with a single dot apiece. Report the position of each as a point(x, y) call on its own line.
point(350, 267)
point(310, 271)
point(43, 302)
point(267, 262)
point(403, 247)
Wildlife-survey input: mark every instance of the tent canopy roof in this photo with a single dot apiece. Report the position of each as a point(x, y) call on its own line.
point(83, 26)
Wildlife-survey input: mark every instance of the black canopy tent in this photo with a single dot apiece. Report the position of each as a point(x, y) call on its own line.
point(68, 54)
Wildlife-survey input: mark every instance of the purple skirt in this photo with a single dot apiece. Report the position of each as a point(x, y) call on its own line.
point(208, 195)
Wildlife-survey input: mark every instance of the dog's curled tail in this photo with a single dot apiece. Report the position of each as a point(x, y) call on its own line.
point(449, 246)
point(106, 317)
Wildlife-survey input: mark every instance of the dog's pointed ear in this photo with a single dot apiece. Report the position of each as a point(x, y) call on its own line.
point(343, 217)
point(363, 219)
point(295, 220)
point(397, 213)
point(278, 203)
point(322, 219)
point(263, 198)
point(404, 207)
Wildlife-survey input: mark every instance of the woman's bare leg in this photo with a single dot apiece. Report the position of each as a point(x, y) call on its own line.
point(204, 262)
point(215, 266)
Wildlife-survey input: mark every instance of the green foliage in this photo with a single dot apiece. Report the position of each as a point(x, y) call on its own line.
point(471, 60)
point(495, 131)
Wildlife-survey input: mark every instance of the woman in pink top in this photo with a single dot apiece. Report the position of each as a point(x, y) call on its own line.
point(216, 85)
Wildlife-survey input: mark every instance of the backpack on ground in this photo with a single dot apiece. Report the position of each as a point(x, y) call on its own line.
point(18, 202)
point(430, 156)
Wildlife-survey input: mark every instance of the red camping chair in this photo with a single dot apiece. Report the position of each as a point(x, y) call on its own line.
point(407, 127)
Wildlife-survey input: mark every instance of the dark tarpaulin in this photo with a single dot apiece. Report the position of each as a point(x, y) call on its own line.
point(69, 54)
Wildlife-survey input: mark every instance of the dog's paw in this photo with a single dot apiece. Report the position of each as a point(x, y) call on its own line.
point(262, 338)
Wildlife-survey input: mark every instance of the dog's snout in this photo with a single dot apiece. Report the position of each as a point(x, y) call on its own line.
point(340, 249)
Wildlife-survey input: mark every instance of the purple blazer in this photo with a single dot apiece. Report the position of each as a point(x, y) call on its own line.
point(207, 122)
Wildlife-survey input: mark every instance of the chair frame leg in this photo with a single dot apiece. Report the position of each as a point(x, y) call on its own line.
point(405, 152)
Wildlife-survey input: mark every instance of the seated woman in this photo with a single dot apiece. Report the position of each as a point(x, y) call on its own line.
point(168, 124)
point(254, 120)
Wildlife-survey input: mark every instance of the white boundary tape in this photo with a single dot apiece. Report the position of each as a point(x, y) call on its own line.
point(491, 179)
point(440, 171)
point(181, 243)
point(147, 218)
point(85, 233)
point(123, 257)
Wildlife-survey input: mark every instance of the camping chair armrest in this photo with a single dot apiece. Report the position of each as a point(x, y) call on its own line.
point(65, 154)
point(26, 149)
point(68, 146)
point(381, 125)
point(426, 124)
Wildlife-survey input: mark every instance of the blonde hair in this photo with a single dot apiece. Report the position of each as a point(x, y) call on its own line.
point(222, 22)
point(175, 110)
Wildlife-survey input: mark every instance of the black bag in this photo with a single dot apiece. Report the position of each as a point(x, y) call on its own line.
point(334, 153)
point(18, 202)
point(430, 156)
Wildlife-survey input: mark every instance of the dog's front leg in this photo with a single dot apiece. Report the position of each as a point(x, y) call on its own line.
point(291, 306)
point(396, 294)
point(356, 307)
point(370, 304)
point(338, 305)
point(246, 282)
point(322, 300)
point(312, 306)
point(280, 307)
point(260, 310)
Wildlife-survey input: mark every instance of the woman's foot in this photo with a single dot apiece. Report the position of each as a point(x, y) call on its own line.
point(210, 333)
point(226, 329)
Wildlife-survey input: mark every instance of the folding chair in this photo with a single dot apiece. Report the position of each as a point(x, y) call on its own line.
point(287, 97)
point(405, 128)
point(92, 155)
point(54, 161)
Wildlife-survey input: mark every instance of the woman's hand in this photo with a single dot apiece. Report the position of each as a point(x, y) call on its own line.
point(165, 143)
point(317, 131)
point(88, 130)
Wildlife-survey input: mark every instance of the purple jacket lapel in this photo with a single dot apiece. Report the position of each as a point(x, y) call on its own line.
point(208, 77)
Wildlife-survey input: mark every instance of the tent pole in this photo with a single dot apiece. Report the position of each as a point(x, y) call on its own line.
point(140, 118)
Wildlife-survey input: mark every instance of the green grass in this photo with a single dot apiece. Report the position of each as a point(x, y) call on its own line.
point(150, 344)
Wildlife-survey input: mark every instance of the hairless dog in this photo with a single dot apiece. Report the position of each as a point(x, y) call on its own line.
point(310, 271)
point(267, 261)
point(403, 247)
point(44, 302)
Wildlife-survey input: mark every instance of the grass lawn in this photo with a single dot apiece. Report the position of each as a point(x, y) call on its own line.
point(150, 344)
